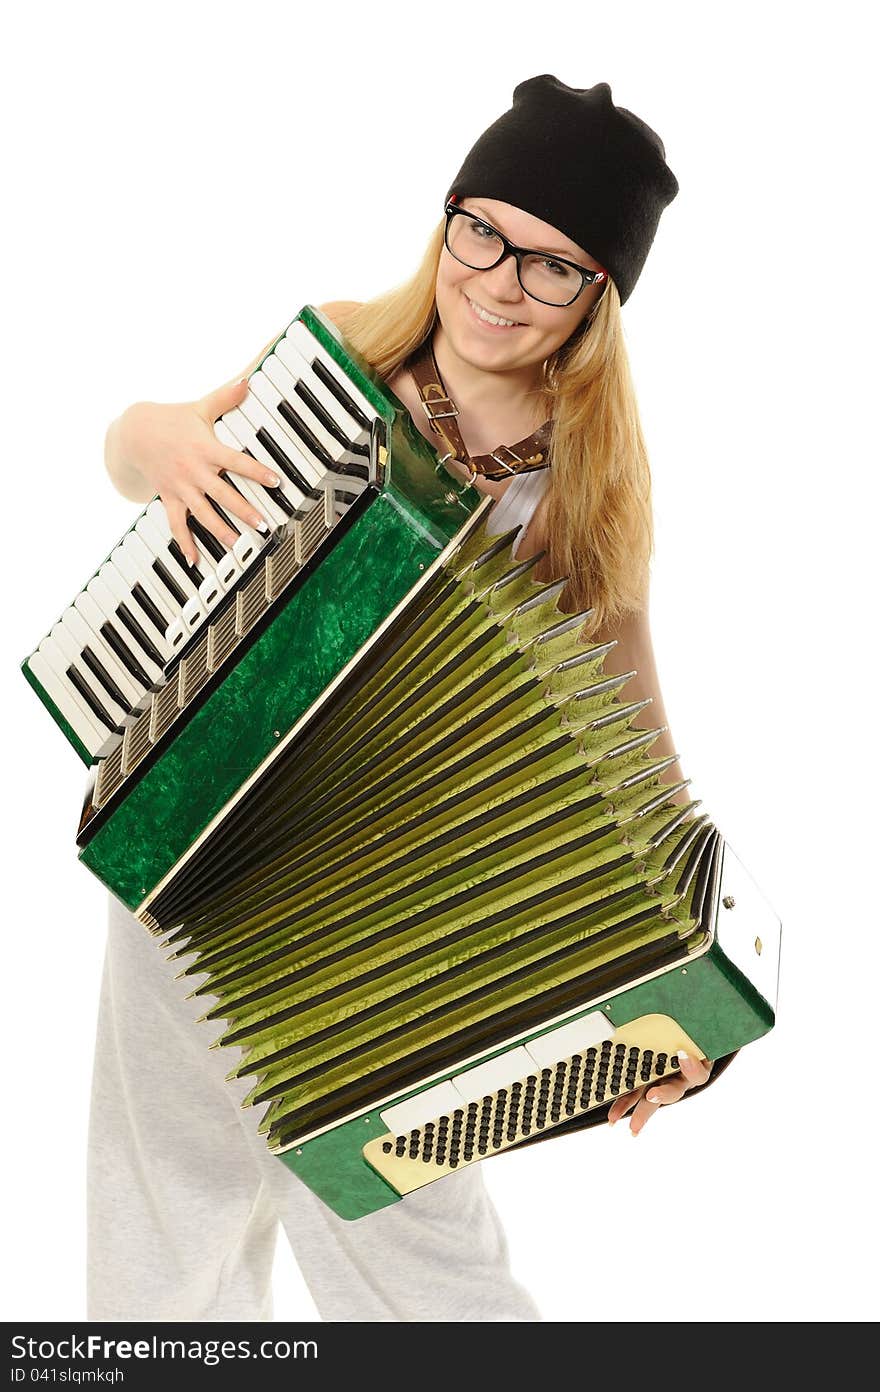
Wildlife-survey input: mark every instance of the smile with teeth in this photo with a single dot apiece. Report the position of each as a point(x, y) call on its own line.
point(488, 318)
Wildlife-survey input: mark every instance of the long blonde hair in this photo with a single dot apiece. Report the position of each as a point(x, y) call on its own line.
point(599, 515)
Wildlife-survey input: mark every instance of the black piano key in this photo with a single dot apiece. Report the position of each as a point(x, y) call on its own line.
point(170, 583)
point(88, 659)
point(156, 617)
point(358, 471)
point(303, 433)
point(90, 698)
point(247, 501)
point(336, 389)
point(209, 543)
point(286, 465)
point(330, 425)
point(223, 517)
point(117, 645)
point(192, 572)
point(278, 498)
point(128, 621)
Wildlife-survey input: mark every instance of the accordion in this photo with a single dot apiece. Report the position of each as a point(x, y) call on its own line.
point(363, 778)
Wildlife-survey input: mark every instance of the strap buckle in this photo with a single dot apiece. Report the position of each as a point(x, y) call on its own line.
point(505, 463)
point(433, 411)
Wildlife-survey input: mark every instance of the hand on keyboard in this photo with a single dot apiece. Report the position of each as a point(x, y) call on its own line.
point(646, 1101)
point(174, 447)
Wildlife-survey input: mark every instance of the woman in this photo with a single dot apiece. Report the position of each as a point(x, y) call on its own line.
point(546, 229)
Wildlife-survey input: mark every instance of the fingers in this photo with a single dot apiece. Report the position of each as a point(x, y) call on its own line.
point(621, 1105)
point(235, 504)
point(636, 1102)
point(642, 1114)
point(237, 462)
point(177, 511)
point(211, 521)
point(216, 403)
point(695, 1071)
point(644, 1102)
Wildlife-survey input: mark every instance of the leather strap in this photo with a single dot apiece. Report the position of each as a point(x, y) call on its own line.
point(522, 458)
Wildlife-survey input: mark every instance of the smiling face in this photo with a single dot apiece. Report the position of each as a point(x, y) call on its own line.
point(468, 301)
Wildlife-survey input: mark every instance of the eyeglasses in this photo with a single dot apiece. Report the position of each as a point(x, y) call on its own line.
point(549, 279)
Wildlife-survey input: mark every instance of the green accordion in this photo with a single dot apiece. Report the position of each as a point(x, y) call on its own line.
point(402, 824)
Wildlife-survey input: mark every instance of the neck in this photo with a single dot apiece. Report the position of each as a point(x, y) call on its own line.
point(491, 404)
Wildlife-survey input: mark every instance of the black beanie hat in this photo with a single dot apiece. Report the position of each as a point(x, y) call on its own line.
point(572, 158)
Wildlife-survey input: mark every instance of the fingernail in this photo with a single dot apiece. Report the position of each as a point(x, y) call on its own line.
point(273, 480)
point(653, 1097)
point(262, 525)
point(612, 1121)
point(682, 1055)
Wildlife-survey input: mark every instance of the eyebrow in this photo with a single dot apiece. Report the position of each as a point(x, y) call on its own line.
point(551, 251)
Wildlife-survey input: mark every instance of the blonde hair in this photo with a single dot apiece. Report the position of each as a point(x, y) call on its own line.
point(599, 515)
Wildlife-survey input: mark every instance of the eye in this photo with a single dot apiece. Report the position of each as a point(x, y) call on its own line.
point(554, 267)
point(482, 232)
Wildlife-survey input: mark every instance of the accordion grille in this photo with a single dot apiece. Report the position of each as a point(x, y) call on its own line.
point(468, 838)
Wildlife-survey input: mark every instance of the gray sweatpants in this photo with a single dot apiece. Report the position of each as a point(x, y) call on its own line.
point(184, 1197)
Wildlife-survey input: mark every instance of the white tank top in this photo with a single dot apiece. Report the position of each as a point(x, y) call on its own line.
point(516, 506)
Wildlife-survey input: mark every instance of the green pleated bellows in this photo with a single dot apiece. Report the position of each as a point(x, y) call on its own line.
point(468, 831)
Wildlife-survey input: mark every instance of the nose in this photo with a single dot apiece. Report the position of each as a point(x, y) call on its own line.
point(502, 282)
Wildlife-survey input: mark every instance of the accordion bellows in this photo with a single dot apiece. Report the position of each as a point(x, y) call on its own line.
point(468, 838)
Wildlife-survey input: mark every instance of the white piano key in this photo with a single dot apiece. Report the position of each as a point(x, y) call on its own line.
point(285, 384)
point(250, 542)
point(192, 612)
point(212, 588)
point(129, 561)
point(261, 500)
point(157, 520)
point(134, 545)
point(264, 393)
point(195, 610)
point(289, 355)
point(86, 636)
point(71, 650)
point(225, 567)
point(312, 350)
point(58, 665)
point(109, 590)
point(247, 491)
point(68, 703)
point(245, 420)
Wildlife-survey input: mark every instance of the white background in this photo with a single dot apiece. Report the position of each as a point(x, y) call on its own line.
point(180, 180)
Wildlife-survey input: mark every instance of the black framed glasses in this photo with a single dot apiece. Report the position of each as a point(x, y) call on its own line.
point(552, 280)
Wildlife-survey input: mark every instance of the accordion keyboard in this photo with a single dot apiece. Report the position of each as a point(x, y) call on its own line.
point(122, 638)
